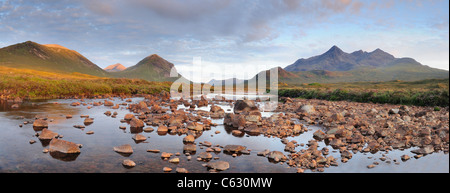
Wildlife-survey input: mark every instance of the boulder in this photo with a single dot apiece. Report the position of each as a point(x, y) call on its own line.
point(62, 146)
point(424, 150)
point(40, 123)
point(108, 103)
point(125, 149)
point(47, 135)
point(189, 139)
point(205, 156)
point(277, 156)
point(139, 137)
point(244, 106)
point(319, 135)
point(306, 109)
point(136, 123)
point(128, 117)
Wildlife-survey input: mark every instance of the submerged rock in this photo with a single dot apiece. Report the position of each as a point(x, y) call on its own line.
point(219, 165)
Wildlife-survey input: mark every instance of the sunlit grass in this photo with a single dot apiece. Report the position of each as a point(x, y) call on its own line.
point(38, 84)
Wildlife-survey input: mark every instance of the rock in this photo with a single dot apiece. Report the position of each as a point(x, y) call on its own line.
point(15, 106)
point(174, 160)
point(166, 155)
point(125, 149)
point(189, 139)
point(405, 157)
point(319, 135)
point(277, 156)
point(88, 121)
point(61, 146)
point(128, 163)
point(136, 123)
point(90, 132)
point(236, 132)
point(290, 147)
point(68, 116)
point(264, 153)
point(40, 123)
point(394, 111)
point(79, 126)
point(346, 154)
point(167, 169)
point(219, 165)
point(32, 141)
point(244, 106)
point(148, 129)
point(190, 148)
point(162, 129)
point(47, 135)
point(234, 148)
point(205, 156)
point(128, 117)
point(139, 137)
point(108, 103)
point(153, 150)
point(195, 126)
point(181, 170)
point(306, 109)
point(425, 150)
point(371, 166)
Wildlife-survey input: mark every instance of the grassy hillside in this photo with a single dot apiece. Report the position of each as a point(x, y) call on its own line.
point(40, 84)
point(50, 58)
point(151, 68)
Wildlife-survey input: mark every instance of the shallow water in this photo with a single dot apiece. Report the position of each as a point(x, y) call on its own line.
point(97, 155)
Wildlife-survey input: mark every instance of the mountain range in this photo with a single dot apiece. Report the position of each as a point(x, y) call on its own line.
point(334, 65)
point(56, 58)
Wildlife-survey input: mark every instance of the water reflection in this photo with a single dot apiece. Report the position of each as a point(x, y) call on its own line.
point(98, 155)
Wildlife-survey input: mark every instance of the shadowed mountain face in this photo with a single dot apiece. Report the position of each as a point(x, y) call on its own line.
point(337, 60)
point(115, 68)
point(52, 57)
point(153, 68)
point(338, 66)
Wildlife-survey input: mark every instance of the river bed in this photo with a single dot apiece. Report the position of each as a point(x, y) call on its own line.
point(17, 155)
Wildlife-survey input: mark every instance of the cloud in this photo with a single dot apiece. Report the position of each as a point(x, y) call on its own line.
point(242, 32)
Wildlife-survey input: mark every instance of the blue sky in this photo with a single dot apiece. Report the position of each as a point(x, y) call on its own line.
point(231, 36)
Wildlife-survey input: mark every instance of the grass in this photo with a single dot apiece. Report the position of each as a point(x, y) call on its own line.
point(35, 84)
point(431, 92)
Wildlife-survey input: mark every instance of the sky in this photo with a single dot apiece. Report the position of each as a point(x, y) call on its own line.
point(232, 37)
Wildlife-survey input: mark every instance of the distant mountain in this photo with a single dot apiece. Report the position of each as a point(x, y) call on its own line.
point(115, 68)
point(50, 57)
point(234, 80)
point(152, 68)
point(336, 65)
point(337, 60)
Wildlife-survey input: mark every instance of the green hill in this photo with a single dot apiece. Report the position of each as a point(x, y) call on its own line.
point(51, 58)
point(152, 68)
